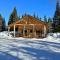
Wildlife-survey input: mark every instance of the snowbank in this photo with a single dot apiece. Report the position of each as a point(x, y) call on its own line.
point(52, 37)
point(5, 35)
point(56, 35)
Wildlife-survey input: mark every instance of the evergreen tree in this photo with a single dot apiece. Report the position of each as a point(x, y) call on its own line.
point(13, 17)
point(25, 14)
point(19, 18)
point(1, 22)
point(56, 19)
point(49, 25)
point(22, 16)
point(40, 18)
point(45, 19)
point(37, 17)
point(34, 15)
point(3, 25)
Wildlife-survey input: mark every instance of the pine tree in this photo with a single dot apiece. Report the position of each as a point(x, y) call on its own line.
point(45, 19)
point(56, 19)
point(40, 18)
point(49, 25)
point(22, 16)
point(34, 15)
point(19, 18)
point(37, 17)
point(25, 14)
point(3, 25)
point(13, 17)
point(1, 22)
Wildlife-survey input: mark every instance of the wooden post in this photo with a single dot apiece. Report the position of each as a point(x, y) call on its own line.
point(23, 30)
point(44, 31)
point(14, 30)
point(33, 31)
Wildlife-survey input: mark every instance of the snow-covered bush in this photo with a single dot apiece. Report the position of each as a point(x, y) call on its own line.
point(55, 35)
point(5, 35)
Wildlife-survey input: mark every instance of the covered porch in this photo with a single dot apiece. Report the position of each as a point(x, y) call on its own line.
point(28, 30)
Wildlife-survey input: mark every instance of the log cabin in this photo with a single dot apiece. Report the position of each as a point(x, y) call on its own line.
point(29, 27)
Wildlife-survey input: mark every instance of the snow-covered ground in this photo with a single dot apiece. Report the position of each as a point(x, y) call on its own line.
point(29, 49)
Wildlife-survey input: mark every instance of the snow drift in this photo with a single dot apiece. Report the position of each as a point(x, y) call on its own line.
point(52, 37)
point(5, 35)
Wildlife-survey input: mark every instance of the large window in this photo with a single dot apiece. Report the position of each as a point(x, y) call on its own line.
point(31, 31)
point(38, 31)
point(26, 32)
point(16, 29)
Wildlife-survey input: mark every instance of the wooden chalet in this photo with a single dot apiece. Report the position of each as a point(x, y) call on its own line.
point(29, 27)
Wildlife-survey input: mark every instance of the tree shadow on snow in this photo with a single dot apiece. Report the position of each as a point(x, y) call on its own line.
point(6, 56)
point(38, 54)
point(41, 54)
point(53, 44)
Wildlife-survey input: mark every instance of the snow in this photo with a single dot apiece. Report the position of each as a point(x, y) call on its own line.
point(56, 35)
point(5, 35)
point(29, 49)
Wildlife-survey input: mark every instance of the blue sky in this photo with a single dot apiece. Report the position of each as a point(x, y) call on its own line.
point(40, 7)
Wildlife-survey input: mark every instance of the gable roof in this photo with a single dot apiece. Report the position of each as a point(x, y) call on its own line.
point(29, 20)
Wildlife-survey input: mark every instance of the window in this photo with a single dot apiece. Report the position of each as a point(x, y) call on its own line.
point(25, 31)
point(31, 31)
point(16, 29)
point(37, 31)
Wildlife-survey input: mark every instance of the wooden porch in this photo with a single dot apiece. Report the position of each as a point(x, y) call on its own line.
point(28, 30)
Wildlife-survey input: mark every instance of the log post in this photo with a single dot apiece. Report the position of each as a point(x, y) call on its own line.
point(44, 31)
point(14, 30)
point(34, 33)
point(8, 30)
point(24, 30)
